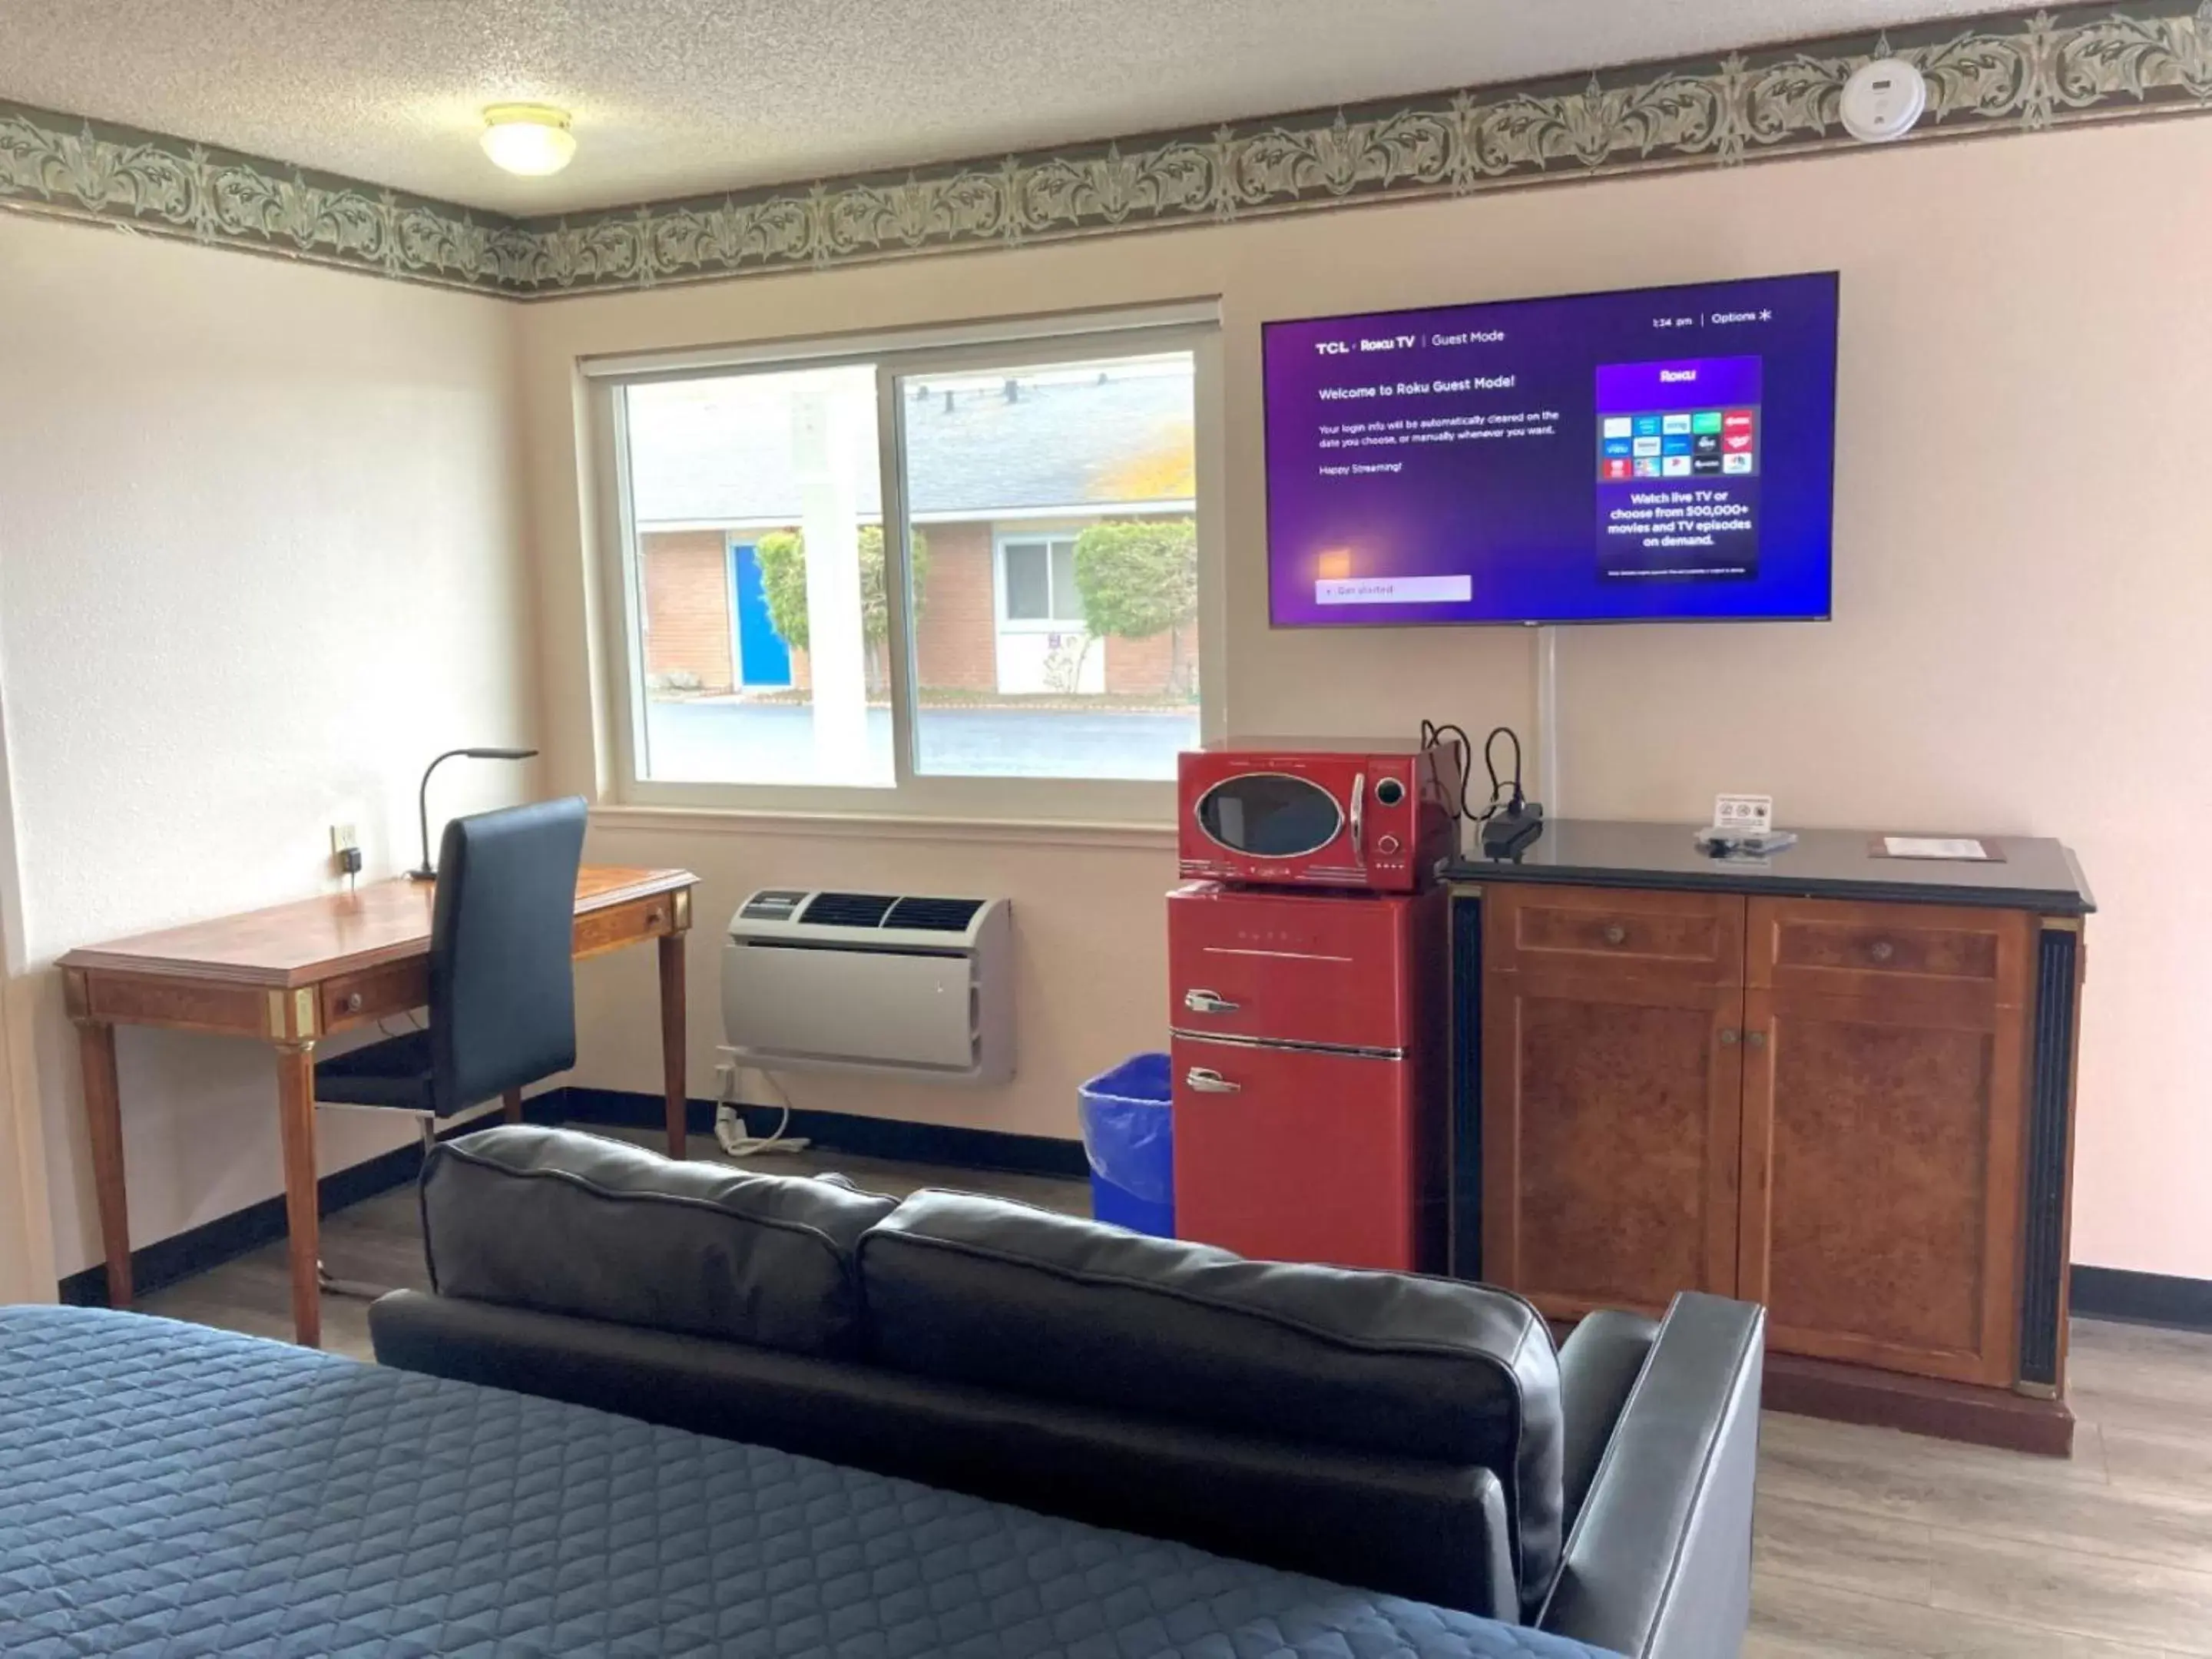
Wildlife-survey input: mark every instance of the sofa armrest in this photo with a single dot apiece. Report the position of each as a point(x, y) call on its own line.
point(1599, 1364)
point(1658, 1563)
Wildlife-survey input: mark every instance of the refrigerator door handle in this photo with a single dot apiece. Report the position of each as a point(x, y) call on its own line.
point(1207, 1081)
point(1208, 1002)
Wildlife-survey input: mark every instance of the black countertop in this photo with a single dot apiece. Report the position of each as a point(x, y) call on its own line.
point(2035, 873)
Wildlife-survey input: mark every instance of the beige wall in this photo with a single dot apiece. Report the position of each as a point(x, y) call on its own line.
point(259, 560)
point(27, 1240)
point(2022, 587)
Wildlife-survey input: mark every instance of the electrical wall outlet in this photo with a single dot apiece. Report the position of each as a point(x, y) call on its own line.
point(345, 853)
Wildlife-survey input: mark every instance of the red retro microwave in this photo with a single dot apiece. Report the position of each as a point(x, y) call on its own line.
point(1328, 813)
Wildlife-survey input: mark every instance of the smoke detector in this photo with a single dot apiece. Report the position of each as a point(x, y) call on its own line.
point(1883, 100)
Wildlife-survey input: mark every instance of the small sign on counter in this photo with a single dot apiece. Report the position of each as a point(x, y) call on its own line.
point(1964, 849)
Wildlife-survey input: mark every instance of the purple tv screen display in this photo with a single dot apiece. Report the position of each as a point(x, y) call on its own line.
point(1664, 454)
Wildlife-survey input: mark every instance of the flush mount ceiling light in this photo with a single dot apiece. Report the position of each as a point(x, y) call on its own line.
point(532, 139)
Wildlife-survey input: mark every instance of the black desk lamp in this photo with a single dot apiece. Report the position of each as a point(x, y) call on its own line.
point(425, 871)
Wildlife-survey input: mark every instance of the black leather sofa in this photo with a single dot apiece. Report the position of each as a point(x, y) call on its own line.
point(1416, 1436)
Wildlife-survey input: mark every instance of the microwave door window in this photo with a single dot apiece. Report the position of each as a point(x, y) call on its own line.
point(1270, 815)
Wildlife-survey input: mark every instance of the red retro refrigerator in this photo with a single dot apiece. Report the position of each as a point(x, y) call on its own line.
point(1308, 1041)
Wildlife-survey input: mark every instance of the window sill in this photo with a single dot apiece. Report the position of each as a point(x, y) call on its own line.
point(885, 826)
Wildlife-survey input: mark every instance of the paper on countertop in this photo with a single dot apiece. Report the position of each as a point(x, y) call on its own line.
point(1933, 846)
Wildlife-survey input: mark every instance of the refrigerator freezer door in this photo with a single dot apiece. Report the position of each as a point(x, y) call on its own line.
point(1296, 966)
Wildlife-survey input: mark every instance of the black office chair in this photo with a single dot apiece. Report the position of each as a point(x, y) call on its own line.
point(502, 979)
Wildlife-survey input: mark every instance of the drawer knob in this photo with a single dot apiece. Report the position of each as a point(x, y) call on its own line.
point(1881, 950)
point(652, 918)
point(1615, 934)
point(353, 1002)
point(1728, 1036)
point(1756, 1039)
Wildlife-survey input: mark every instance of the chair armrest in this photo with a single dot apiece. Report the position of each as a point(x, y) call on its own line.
point(1658, 1563)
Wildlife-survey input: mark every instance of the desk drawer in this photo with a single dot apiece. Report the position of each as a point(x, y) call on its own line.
point(356, 999)
point(618, 924)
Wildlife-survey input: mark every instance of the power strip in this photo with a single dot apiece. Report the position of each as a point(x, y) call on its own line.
point(731, 1133)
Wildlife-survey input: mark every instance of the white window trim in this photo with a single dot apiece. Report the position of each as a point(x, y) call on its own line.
point(912, 795)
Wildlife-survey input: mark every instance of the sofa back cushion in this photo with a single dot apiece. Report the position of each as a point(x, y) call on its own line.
point(577, 1223)
point(986, 1291)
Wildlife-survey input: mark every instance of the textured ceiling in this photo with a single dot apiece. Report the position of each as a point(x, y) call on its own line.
point(673, 97)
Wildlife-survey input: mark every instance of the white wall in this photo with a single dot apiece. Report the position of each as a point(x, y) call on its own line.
point(2022, 587)
point(259, 559)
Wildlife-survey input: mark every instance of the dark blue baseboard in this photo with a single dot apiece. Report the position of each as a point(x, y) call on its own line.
point(838, 1131)
point(2142, 1298)
point(166, 1261)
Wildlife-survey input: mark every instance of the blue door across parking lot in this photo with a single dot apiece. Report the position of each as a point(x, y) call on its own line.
point(763, 659)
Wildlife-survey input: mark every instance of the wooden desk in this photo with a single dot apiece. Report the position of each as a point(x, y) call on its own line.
point(293, 974)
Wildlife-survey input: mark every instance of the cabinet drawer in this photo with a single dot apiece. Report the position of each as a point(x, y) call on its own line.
point(1692, 937)
point(1839, 948)
point(373, 992)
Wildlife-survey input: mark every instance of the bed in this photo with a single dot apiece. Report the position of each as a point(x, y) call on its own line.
point(166, 1489)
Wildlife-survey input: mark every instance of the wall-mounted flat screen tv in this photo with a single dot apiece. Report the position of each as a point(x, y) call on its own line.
point(1654, 455)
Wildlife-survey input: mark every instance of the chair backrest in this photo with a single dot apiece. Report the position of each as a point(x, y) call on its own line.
point(502, 979)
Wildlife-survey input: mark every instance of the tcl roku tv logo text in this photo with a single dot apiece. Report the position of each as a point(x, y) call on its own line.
point(1405, 341)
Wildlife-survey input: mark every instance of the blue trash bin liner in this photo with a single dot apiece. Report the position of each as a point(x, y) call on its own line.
point(1129, 1134)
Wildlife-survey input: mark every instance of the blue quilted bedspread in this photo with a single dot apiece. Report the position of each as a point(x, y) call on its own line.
point(166, 1489)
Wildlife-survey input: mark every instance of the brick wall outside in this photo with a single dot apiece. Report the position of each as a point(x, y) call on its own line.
point(1141, 667)
point(687, 606)
point(687, 611)
point(958, 645)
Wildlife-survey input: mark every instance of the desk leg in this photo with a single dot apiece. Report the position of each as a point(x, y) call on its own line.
point(103, 1117)
point(671, 1036)
point(295, 1117)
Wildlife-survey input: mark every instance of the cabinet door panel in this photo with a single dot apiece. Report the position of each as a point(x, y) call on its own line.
point(1610, 1119)
point(1881, 1156)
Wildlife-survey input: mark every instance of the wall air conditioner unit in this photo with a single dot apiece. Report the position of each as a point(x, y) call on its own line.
point(907, 987)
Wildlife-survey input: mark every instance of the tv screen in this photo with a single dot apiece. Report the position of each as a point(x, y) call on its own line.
point(1662, 454)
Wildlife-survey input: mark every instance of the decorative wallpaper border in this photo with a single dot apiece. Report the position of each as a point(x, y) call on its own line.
point(66, 167)
point(2007, 73)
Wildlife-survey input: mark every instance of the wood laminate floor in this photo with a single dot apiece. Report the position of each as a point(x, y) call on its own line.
point(1869, 1542)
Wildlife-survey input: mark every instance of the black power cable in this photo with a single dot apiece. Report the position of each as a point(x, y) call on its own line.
point(1503, 792)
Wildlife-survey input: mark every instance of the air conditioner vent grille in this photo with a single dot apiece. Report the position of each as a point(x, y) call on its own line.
point(848, 910)
point(934, 915)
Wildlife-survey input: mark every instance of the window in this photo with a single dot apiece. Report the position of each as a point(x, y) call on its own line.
point(1036, 580)
point(762, 664)
point(953, 574)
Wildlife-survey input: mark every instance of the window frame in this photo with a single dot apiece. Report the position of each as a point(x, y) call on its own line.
point(896, 358)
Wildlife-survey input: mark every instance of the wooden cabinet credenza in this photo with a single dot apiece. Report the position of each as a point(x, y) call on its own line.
point(1836, 1083)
